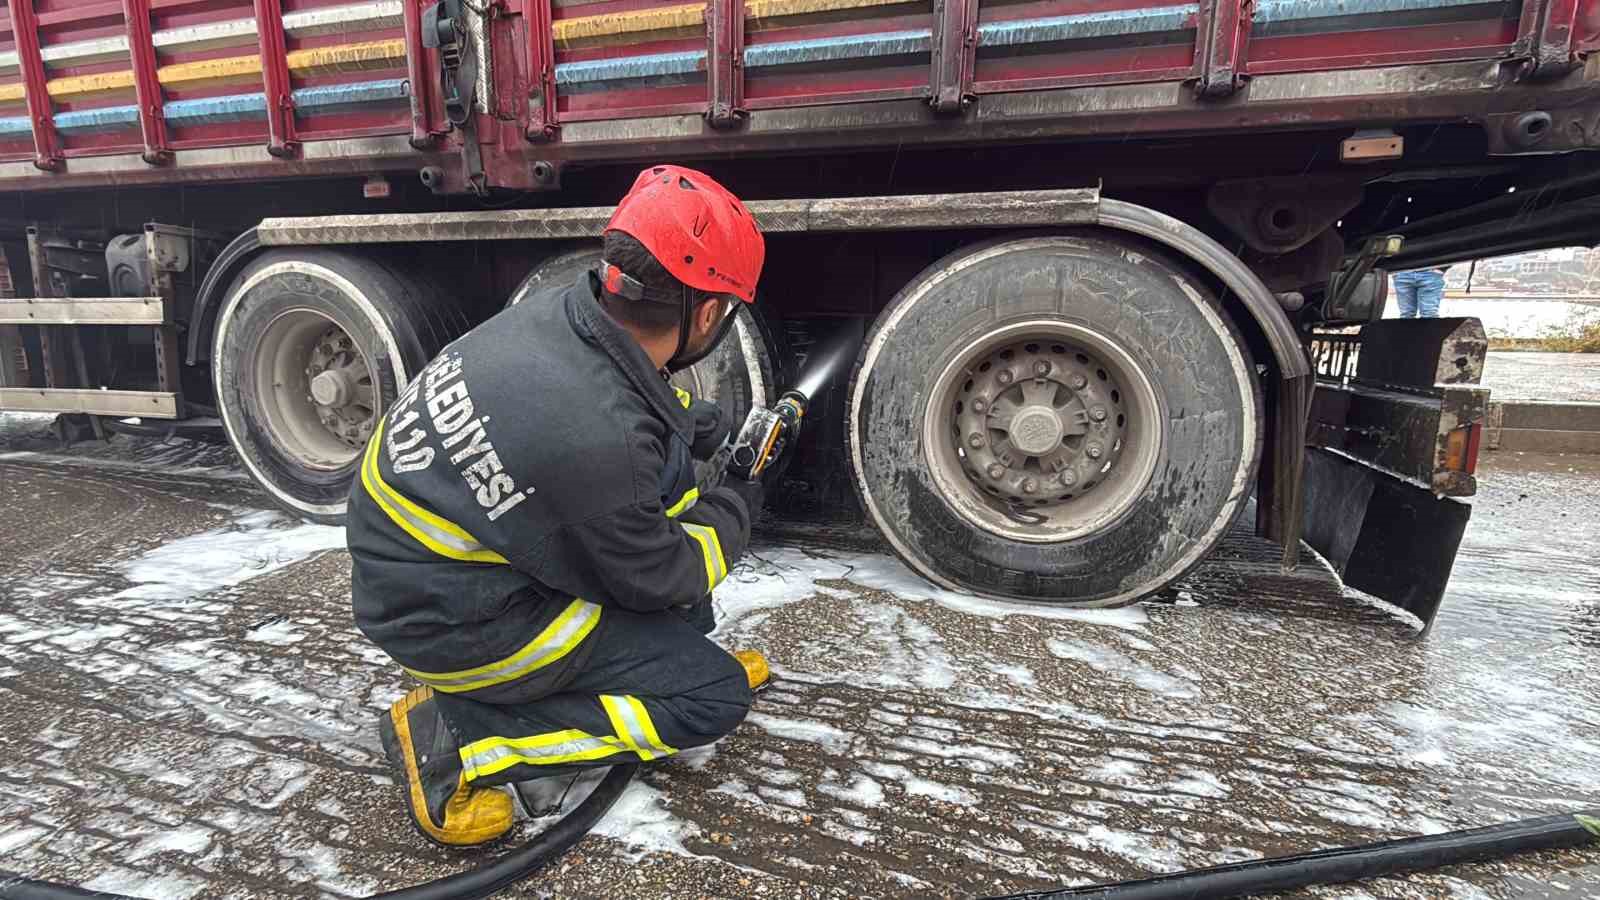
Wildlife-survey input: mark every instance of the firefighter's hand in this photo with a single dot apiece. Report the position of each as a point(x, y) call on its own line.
point(753, 493)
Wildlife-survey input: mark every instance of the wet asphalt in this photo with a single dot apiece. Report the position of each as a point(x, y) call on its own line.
point(1536, 375)
point(169, 733)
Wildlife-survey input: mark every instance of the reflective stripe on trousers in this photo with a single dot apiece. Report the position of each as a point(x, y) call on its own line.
point(496, 754)
point(558, 639)
point(635, 733)
point(632, 724)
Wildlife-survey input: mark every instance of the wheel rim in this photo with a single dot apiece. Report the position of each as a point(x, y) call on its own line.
point(1043, 431)
point(315, 387)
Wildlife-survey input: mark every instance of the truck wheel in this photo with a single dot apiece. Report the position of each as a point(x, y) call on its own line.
point(1067, 419)
point(737, 376)
point(312, 346)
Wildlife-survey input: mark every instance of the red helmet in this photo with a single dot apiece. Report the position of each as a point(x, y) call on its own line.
point(695, 228)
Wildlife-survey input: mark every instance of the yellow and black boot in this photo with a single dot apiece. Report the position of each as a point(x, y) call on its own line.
point(756, 670)
point(427, 764)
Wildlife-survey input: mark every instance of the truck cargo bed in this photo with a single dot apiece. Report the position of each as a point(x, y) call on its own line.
point(276, 88)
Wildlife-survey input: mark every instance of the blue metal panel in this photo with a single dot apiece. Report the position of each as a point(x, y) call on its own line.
point(210, 110)
point(230, 108)
point(666, 66)
point(855, 46)
point(393, 90)
point(1114, 23)
point(110, 118)
point(654, 66)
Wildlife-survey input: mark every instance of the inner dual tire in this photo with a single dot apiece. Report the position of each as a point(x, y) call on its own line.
point(311, 346)
point(1067, 419)
point(736, 376)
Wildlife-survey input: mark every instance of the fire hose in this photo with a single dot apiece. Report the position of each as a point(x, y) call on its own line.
point(474, 884)
point(1244, 879)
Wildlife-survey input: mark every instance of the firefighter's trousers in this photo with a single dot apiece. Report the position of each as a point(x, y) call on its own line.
point(652, 685)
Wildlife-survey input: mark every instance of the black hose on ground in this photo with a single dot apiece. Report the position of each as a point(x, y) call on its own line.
point(1347, 863)
point(478, 883)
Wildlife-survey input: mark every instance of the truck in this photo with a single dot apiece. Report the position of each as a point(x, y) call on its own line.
point(1117, 267)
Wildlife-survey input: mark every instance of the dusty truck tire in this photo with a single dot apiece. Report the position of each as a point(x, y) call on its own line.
point(737, 376)
point(1067, 419)
point(311, 346)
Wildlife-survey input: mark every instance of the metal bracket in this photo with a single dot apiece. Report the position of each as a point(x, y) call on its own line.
point(1344, 284)
point(275, 79)
point(147, 88)
point(542, 124)
point(954, 55)
point(46, 142)
point(725, 63)
point(423, 133)
point(168, 251)
point(1222, 43)
point(1547, 39)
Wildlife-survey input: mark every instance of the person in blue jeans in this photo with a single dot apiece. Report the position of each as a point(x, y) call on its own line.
point(1419, 292)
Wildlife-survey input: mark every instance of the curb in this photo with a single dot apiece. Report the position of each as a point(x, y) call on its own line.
point(1541, 426)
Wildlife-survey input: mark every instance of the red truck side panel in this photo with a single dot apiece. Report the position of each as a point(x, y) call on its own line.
point(350, 68)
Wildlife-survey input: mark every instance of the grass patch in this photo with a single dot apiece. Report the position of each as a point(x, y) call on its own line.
point(1580, 334)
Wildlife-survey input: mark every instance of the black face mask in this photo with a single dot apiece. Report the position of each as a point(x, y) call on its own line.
point(681, 358)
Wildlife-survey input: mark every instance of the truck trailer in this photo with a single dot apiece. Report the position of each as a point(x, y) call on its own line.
point(1117, 266)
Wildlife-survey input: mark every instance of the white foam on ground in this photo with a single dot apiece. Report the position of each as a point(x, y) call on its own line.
point(190, 841)
point(161, 886)
point(775, 577)
point(280, 633)
point(255, 544)
point(862, 791)
point(809, 730)
point(641, 821)
point(885, 573)
point(1113, 664)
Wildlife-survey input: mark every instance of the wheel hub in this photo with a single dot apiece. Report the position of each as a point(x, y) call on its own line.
point(340, 387)
point(1036, 430)
point(330, 388)
point(1036, 423)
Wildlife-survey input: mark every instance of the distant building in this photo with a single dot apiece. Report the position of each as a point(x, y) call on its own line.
point(1565, 271)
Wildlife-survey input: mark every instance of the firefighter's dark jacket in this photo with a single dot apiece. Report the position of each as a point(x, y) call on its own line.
point(538, 460)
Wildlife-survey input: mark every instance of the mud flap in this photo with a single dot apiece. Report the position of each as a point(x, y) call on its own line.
point(1384, 536)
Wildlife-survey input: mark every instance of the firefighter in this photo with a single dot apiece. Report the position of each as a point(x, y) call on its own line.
point(526, 536)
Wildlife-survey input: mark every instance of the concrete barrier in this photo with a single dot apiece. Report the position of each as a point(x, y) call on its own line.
point(1541, 426)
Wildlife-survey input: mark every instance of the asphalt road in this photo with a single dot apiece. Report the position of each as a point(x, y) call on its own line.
point(187, 711)
point(1535, 375)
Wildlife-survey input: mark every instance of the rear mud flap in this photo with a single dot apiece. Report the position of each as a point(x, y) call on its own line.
point(1385, 536)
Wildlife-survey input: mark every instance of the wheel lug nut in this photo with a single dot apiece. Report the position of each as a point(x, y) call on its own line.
point(1098, 414)
point(996, 470)
point(1068, 478)
point(1079, 382)
point(1029, 486)
point(1005, 376)
point(978, 405)
point(1094, 451)
point(1041, 368)
point(976, 440)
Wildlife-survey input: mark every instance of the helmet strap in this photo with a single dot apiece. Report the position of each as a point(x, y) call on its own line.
point(685, 315)
point(681, 359)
